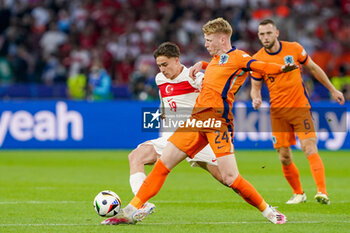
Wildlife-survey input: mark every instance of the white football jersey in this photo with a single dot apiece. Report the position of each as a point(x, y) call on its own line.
point(176, 95)
point(180, 92)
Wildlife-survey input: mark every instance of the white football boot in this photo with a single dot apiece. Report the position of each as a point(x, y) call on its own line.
point(322, 198)
point(123, 217)
point(297, 198)
point(274, 215)
point(145, 210)
point(130, 215)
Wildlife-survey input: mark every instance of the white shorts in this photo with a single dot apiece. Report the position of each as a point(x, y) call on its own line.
point(206, 155)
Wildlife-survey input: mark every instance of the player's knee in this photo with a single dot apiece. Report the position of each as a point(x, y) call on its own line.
point(285, 161)
point(135, 156)
point(132, 157)
point(284, 155)
point(228, 179)
point(309, 147)
point(142, 155)
point(310, 150)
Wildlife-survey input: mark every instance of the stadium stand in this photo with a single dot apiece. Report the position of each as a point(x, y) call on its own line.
point(44, 42)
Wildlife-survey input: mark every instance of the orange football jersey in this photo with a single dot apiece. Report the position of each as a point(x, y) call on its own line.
point(223, 77)
point(286, 89)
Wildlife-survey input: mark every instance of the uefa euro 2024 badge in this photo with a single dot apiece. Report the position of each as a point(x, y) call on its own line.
point(223, 59)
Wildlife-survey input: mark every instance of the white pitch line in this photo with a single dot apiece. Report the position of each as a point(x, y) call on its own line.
point(220, 201)
point(155, 201)
point(233, 223)
point(38, 202)
point(170, 223)
point(44, 224)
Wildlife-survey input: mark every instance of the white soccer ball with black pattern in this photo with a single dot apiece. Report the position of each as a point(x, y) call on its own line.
point(107, 203)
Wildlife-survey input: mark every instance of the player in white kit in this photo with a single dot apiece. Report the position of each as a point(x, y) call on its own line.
point(177, 91)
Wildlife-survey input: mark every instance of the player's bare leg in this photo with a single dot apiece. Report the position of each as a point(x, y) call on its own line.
point(170, 157)
point(309, 147)
point(291, 173)
point(145, 154)
point(229, 171)
point(285, 155)
point(228, 168)
point(212, 169)
point(134, 212)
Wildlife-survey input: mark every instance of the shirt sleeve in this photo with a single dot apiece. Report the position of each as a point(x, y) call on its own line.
point(162, 107)
point(247, 63)
point(302, 56)
point(246, 60)
point(256, 76)
point(204, 65)
point(156, 79)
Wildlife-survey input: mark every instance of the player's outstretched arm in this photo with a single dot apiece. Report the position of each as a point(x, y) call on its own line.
point(271, 68)
point(255, 93)
point(321, 76)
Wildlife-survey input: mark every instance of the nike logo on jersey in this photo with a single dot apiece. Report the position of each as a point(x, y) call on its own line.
point(219, 147)
point(213, 160)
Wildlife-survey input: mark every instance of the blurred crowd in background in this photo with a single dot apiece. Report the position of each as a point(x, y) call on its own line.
point(103, 49)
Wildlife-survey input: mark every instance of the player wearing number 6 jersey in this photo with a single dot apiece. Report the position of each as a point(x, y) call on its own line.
point(223, 76)
point(177, 92)
point(290, 108)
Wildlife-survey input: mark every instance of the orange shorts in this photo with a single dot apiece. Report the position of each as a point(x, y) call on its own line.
point(191, 140)
point(285, 126)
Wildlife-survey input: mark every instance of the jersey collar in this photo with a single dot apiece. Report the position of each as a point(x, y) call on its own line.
point(233, 48)
point(279, 50)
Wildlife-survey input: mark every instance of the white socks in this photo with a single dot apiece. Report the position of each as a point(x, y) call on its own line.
point(136, 181)
point(267, 211)
point(129, 210)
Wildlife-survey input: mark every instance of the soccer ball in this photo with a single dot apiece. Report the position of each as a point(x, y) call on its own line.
point(107, 203)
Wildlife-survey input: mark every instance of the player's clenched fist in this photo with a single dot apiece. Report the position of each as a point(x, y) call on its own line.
point(256, 103)
point(195, 69)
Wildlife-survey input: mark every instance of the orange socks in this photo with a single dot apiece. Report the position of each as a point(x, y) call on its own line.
point(151, 185)
point(292, 175)
point(317, 170)
point(248, 193)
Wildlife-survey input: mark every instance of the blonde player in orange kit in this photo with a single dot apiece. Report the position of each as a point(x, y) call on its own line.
point(290, 108)
point(223, 77)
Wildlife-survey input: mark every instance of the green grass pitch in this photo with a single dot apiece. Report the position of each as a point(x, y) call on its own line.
point(52, 191)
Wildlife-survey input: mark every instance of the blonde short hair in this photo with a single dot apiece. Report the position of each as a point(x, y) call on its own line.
point(218, 25)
